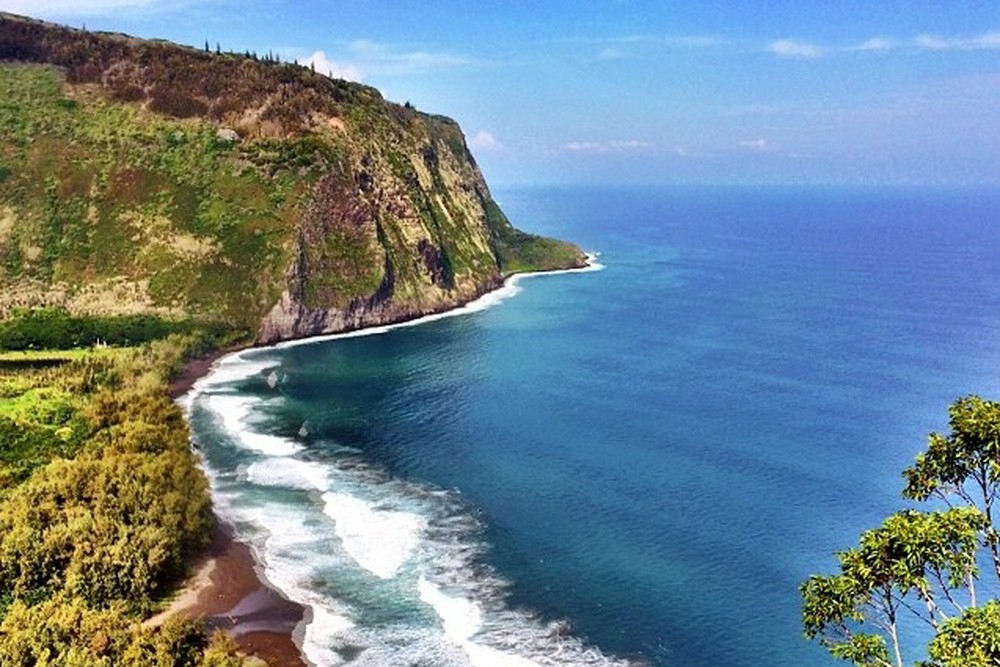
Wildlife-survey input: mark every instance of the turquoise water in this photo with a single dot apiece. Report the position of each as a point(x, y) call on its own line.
point(632, 465)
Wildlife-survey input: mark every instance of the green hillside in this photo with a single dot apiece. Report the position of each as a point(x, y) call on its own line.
point(142, 177)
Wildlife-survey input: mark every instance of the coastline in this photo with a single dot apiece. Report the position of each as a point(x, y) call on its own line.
point(226, 586)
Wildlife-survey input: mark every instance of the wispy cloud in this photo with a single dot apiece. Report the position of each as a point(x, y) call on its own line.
point(361, 60)
point(669, 41)
point(485, 141)
point(610, 53)
point(759, 145)
point(984, 41)
point(605, 147)
point(324, 65)
point(792, 48)
point(625, 46)
point(874, 44)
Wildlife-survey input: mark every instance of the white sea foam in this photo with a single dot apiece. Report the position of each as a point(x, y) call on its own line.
point(230, 369)
point(323, 626)
point(235, 412)
point(379, 540)
point(421, 543)
point(462, 619)
point(290, 549)
point(288, 472)
point(437, 540)
point(269, 445)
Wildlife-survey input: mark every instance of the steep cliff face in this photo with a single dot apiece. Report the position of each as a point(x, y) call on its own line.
point(141, 176)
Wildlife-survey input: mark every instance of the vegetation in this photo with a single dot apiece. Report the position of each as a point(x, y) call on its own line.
point(150, 193)
point(924, 565)
point(56, 329)
point(109, 210)
point(101, 507)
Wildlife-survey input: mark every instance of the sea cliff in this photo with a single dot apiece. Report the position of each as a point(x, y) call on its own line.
point(140, 176)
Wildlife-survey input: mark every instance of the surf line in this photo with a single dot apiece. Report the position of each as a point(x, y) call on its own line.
point(319, 619)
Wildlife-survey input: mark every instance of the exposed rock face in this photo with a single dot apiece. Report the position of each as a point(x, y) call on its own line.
point(325, 209)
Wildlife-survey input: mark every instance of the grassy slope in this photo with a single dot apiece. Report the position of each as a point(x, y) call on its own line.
point(108, 208)
point(133, 211)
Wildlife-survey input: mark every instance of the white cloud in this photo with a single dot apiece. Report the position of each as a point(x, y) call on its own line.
point(630, 46)
point(989, 40)
point(391, 60)
point(694, 41)
point(875, 44)
point(485, 141)
point(362, 59)
point(790, 48)
point(665, 41)
point(617, 146)
point(326, 66)
point(610, 53)
point(931, 42)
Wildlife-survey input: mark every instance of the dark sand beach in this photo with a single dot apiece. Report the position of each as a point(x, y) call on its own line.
point(225, 587)
point(226, 590)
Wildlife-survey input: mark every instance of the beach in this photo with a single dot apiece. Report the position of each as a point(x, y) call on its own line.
point(225, 587)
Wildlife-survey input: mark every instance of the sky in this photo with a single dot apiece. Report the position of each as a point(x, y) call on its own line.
point(637, 92)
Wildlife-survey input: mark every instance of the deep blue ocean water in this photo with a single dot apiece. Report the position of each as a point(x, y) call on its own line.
point(636, 464)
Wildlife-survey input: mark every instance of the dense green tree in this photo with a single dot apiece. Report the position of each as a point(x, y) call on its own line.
point(922, 564)
point(912, 564)
point(98, 523)
point(65, 632)
point(963, 466)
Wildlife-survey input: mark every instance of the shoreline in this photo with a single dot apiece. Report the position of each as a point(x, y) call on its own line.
point(226, 586)
point(227, 591)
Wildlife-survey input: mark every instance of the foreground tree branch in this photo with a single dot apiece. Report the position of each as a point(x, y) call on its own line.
point(916, 558)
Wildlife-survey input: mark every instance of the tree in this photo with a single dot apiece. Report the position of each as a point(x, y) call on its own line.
point(964, 466)
point(922, 564)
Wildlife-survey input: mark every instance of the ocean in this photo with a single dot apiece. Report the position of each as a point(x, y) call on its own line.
point(632, 465)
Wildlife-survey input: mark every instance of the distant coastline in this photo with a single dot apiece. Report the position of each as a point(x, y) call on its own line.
point(227, 586)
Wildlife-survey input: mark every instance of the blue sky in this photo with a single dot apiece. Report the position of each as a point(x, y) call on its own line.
point(627, 91)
